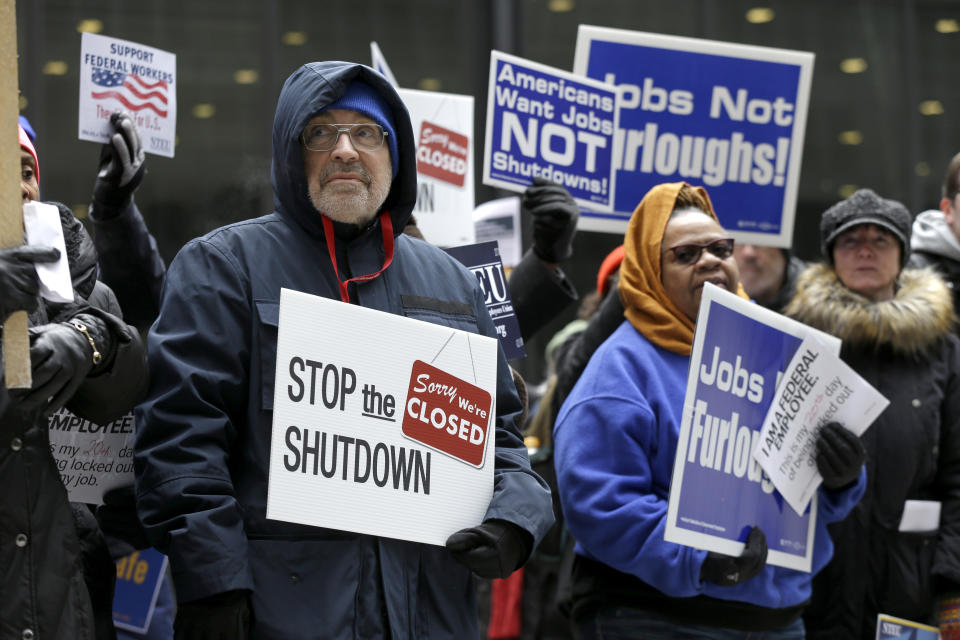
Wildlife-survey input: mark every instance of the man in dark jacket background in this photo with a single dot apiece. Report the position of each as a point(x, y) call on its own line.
point(768, 274)
point(343, 145)
point(935, 241)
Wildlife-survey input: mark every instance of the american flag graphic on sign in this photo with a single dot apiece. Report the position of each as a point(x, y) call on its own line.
point(130, 90)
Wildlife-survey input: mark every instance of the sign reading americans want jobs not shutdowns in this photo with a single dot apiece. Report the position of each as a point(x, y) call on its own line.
point(382, 424)
point(548, 123)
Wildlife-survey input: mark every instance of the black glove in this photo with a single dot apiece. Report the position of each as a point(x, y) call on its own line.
point(61, 358)
point(494, 549)
point(728, 571)
point(555, 216)
point(224, 616)
point(840, 455)
point(118, 520)
point(19, 283)
point(122, 164)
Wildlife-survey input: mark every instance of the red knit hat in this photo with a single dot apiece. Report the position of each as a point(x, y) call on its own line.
point(609, 266)
point(26, 144)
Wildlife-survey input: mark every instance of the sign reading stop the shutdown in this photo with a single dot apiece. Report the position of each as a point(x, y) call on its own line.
point(442, 154)
point(394, 442)
point(447, 414)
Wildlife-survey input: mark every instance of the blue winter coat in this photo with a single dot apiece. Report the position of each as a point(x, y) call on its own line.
point(615, 442)
point(203, 446)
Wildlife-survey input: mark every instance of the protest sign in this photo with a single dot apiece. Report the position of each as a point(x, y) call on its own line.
point(92, 458)
point(817, 388)
point(499, 221)
point(379, 62)
point(443, 126)
point(483, 260)
point(891, 628)
point(139, 576)
point(726, 116)
point(718, 490)
point(119, 75)
point(550, 123)
point(42, 228)
point(388, 434)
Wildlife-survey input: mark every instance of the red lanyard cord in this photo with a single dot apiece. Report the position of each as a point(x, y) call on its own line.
point(386, 228)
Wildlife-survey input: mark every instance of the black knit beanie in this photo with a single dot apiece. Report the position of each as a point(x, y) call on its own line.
point(865, 207)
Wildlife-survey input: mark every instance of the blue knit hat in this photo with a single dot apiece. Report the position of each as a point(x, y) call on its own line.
point(363, 98)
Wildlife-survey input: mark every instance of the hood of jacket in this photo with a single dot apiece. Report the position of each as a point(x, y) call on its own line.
point(932, 234)
point(913, 322)
point(305, 93)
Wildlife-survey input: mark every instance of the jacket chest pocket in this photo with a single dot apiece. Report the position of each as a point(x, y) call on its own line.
point(268, 323)
point(448, 313)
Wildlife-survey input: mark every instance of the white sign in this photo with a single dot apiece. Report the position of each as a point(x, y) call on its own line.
point(817, 388)
point(443, 129)
point(119, 75)
point(42, 226)
point(92, 458)
point(499, 220)
point(382, 424)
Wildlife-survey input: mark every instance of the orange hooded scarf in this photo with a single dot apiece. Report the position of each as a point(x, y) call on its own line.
point(648, 308)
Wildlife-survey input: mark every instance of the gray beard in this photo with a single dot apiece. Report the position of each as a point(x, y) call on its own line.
point(353, 204)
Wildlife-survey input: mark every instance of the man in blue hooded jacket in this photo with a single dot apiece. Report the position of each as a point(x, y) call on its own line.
point(344, 180)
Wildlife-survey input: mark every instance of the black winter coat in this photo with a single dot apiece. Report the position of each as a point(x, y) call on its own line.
point(906, 350)
point(56, 574)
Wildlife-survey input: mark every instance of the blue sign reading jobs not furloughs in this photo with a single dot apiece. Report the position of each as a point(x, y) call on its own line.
point(728, 117)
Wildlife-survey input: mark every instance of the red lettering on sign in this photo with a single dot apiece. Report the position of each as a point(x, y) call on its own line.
point(446, 413)
point(442, 154)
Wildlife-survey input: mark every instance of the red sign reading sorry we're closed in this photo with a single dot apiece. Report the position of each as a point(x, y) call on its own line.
point(442, 154)
point(446, 413)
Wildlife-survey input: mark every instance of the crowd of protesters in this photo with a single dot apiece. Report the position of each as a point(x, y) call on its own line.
point(580, 504)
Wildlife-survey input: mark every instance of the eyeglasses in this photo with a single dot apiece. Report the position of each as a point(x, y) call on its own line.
point(323, 137)
point(690, 253)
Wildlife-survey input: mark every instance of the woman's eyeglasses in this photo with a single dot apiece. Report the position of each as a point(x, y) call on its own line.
point(690, 253)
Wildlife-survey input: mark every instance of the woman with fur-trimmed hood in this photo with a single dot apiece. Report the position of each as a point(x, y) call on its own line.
point(896, 326)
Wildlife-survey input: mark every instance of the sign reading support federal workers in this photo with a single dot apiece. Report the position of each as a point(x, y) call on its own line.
point(382, 424)
point(119, 75)
point(718, 491)
point(548, 123)
point(726, 116)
